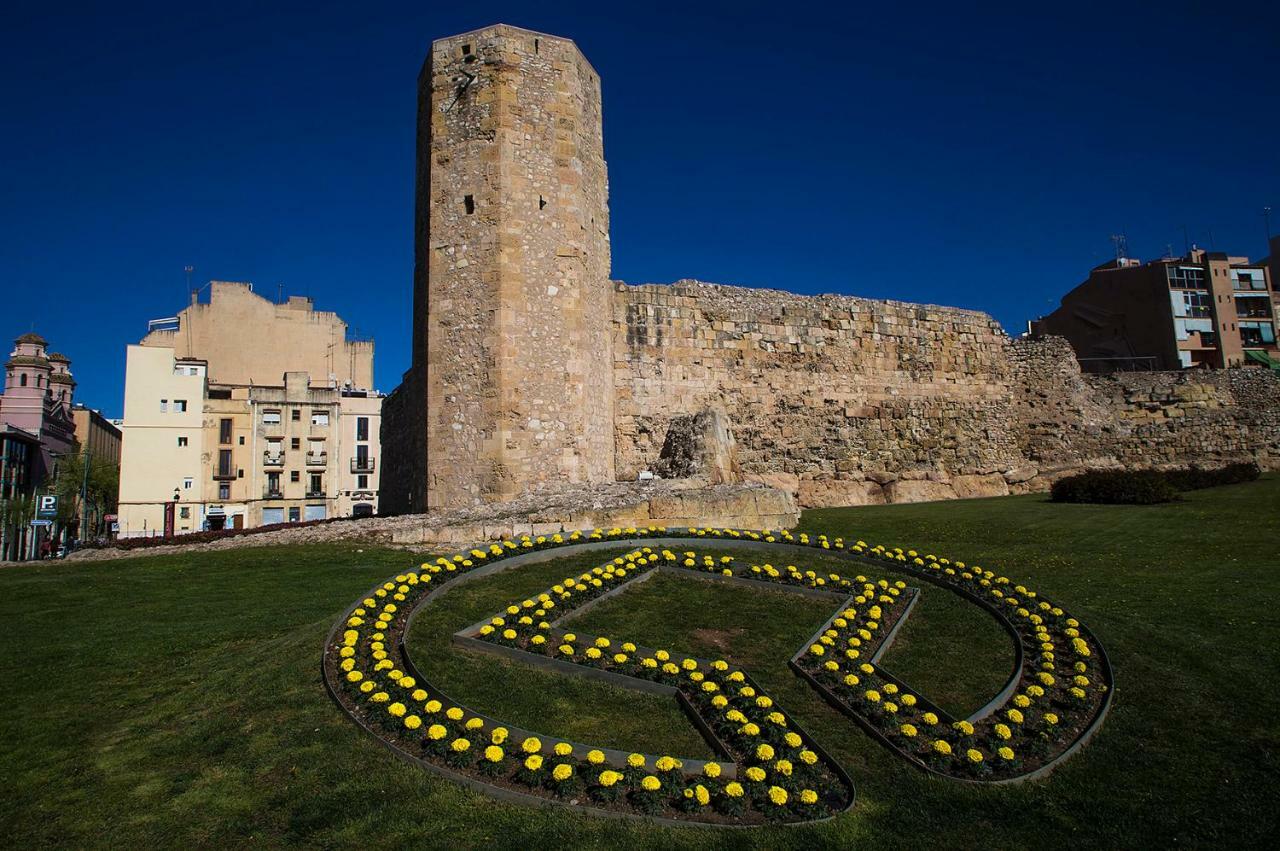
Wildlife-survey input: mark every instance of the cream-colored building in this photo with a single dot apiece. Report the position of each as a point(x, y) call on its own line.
point(262, 437)
point(248, 339)
point(161, 487)
point(361, 423)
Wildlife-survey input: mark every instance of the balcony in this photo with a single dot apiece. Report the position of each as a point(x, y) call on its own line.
point(223, 474)
point(315, 494)
point(317, 459)
point(273, 459)
point(1252, 312)
point(362, 465)
point(270, 492)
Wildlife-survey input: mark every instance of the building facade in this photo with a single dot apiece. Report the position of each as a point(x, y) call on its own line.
point(1203, 309)
point(37, 430)
point(258, 450)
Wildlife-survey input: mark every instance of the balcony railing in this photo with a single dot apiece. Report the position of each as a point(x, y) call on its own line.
point(273, 459)
point(317, 459)
point(224, 475)
point(315, 494)
point(1254, 313)
point(272, 492)
point(362, 465)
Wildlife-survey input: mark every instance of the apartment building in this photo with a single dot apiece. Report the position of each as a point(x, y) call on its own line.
point(263, 447)
point(1205, 309)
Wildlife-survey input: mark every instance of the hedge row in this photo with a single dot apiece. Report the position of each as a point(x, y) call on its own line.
point(1146, 487)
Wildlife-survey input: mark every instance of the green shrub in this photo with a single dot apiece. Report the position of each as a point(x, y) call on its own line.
point(1146, 487)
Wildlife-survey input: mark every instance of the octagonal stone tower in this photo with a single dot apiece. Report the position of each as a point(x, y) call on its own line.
point(512, 345)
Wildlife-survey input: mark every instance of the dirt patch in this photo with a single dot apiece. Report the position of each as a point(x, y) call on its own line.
point(721, 639)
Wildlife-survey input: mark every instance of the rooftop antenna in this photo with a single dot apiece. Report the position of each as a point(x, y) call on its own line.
point(1122, 246)
point(280, 293)
point(188, 270)
point(1168, 250)
point(1266, 218)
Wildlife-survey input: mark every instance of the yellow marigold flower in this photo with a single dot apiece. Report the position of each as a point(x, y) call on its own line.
point(851, 680)
point(418, 695)
point(436, 732)
point(593, 653)
point(1014, 716)
point(474, 723)
point(940, 746)
point(1050, 718)
point(595, 757)
point(872, 695)
point(538, 639)
point(566, 649)
point(493, 753)
point(563, 749)
point(783, 767)
point(777, 795)
point(662, 655)
point(701, 795)
point(750, 729)
point(533, 762)
point(367, 686)
point(1022, 701)
point(764, 752)
point(454, 713)
point(808, 757)
point(619, 658)
point(808, 796)
point(397, 709)
point(354, 676)
point(609, 778)
point(755, 774)
point(1002, 731)
point(460, 745)
point(711, 769)
point(562, 772)
point(689, 664)
point(866, 668)
point(650, 783)
point(733, 790)
point(973, 755)
point(908, 700)
point(908, 730)
point(1006, 753)
point(509, 634)
point(635, 760)
point(531, 745)
point(413, 722)
point(380, 697)
point(666, 763)
point(793, 740)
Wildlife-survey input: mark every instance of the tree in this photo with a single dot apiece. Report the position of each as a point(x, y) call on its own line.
point(100, 488)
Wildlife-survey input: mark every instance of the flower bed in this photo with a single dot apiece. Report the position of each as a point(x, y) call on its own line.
point(772, 770)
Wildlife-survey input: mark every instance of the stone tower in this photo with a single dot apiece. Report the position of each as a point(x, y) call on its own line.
point(512, 354)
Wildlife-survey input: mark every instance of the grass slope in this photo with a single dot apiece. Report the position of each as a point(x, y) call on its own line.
point(176, 700)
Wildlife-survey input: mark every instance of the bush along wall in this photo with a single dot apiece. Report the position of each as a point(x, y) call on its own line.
point(1146, 487)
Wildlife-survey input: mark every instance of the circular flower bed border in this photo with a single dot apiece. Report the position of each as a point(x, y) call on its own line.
point(349, 689)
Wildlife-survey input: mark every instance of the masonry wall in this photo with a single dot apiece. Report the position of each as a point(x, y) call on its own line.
point(514, 262)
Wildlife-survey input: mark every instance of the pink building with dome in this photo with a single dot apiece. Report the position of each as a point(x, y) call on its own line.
point(36, 425)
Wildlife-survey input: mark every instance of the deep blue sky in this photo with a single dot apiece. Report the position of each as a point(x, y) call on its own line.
point(957, 154)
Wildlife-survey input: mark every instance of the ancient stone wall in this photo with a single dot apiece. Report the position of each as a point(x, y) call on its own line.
point(818, 389)
point(531, 368)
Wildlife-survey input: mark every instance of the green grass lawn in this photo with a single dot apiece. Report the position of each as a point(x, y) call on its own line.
point(177, 700)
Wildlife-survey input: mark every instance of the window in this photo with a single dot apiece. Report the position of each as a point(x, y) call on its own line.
point(319, 418)
point(185, 513)
point(271, 418)
point(187, 483)
point(242, 440)
point(295, 443)
point(362, 483)
point(224, 463)
point(1197, 304)
point(295, 514)
point(296, 415)
point(164, 406)
point(22, 381)
point(273, 484)
point(362, 428)
point(294, 476)
point(179, 406)
point(224, 430)
point(224, 491)
point(315, 484)
point(182, 441)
